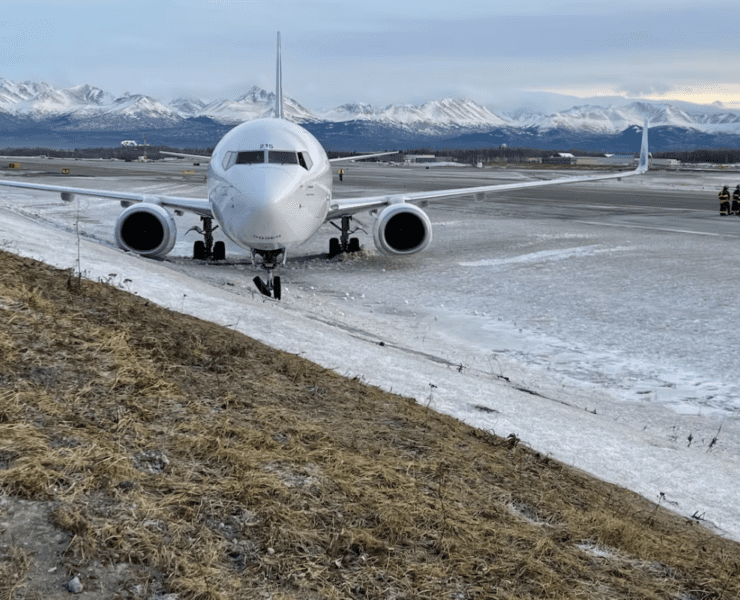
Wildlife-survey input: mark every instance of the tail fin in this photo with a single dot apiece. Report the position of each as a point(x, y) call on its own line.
point(279, 84)
point(643, 165)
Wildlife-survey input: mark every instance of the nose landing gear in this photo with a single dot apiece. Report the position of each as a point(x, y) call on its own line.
point(270, 258)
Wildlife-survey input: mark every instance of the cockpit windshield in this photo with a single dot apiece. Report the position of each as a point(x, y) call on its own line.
point(282, 157)
point(252, 157)
point(258, 157)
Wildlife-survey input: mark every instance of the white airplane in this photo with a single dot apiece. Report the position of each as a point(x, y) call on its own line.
point(270, 189)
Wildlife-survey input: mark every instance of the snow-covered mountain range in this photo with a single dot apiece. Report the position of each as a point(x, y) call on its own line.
point(84, 102)
point(31, 106)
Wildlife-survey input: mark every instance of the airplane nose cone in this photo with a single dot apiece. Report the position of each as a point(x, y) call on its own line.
point(266, 188)
point(258, 205)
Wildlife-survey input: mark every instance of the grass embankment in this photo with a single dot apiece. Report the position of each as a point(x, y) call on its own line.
point(222, 468)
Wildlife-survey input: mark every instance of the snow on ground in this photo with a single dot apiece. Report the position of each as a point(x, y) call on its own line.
point(612, 349)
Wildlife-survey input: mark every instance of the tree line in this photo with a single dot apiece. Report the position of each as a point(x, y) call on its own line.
point(118, 152)
point(464, 155)
point(703, 155)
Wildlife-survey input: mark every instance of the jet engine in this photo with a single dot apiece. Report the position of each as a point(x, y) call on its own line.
point(146, 229)
point(402, 229)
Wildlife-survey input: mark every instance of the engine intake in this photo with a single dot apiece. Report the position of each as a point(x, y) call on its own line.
point(146, 229)
point(402, 229)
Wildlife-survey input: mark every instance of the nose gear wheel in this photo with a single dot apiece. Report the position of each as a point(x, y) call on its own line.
point(269, 287)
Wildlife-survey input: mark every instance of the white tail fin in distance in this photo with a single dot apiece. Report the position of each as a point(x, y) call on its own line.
point(279, 84)
point(644, 163)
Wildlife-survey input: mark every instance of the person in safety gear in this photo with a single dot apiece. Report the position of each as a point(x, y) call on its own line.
point(724, 202)
point(736, 201)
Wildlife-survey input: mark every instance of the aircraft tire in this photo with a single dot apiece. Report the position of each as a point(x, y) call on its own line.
point(334, 247)
point(354, 245)
point(199, 250)
point(276, 288)
point(219, 251)
point(261, 286)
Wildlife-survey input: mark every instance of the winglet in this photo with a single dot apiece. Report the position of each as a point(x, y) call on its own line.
point(644, 163)
point(279, 84)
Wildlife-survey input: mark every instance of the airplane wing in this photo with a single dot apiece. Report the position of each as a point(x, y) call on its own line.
point(199, 157)
point(349, 206)
point(331, 160)
point(360, 157)
point(198, 206)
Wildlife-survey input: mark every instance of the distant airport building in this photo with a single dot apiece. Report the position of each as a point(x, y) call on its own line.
point(611, 160)
point(126, 143)
point(410, 159)
point(665, 162)
point(607, 160)
point(563, 158)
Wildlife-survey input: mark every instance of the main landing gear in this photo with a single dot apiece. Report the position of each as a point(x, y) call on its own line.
point(344, 243)
point(270, 259)
point(206, 249)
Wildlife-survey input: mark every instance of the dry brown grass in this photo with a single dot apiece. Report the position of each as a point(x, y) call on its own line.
point(222, 468)
point(14, 565)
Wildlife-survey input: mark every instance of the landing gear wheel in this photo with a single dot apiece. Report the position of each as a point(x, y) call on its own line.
point(264, 290)
point(334, 247)
point(203, 249)
point(219, 251)
point(270, 260)
point(344, 243)
point(274, 290)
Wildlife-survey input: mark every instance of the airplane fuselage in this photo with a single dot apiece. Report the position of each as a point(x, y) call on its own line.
point(269, 184)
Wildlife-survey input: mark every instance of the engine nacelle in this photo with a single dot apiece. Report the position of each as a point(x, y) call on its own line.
point(146, 229)
point(402, 229)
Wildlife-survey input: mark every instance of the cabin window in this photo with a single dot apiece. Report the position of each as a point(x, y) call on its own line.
point(304, 160)
point(281, 157)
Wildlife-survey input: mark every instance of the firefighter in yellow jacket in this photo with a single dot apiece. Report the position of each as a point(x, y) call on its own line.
point(736, 201)
point(724, 201)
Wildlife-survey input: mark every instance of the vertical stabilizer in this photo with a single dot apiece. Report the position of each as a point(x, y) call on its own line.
point(644, 164)
point(279, 84)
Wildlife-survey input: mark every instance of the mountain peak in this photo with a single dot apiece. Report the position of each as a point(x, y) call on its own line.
point(86, 94)
point(256, 94)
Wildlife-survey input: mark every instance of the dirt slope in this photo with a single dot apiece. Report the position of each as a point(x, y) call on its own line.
point(153, 455)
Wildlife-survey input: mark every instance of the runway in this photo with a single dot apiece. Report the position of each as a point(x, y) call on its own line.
point(34, 166)
point(677, 192)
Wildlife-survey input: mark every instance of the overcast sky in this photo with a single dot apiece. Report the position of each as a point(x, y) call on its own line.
point(498, 53)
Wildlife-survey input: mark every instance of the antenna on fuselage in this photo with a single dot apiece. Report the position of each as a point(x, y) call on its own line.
point(279, 84)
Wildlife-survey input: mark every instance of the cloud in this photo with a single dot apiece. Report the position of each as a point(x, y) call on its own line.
point(640, 89)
